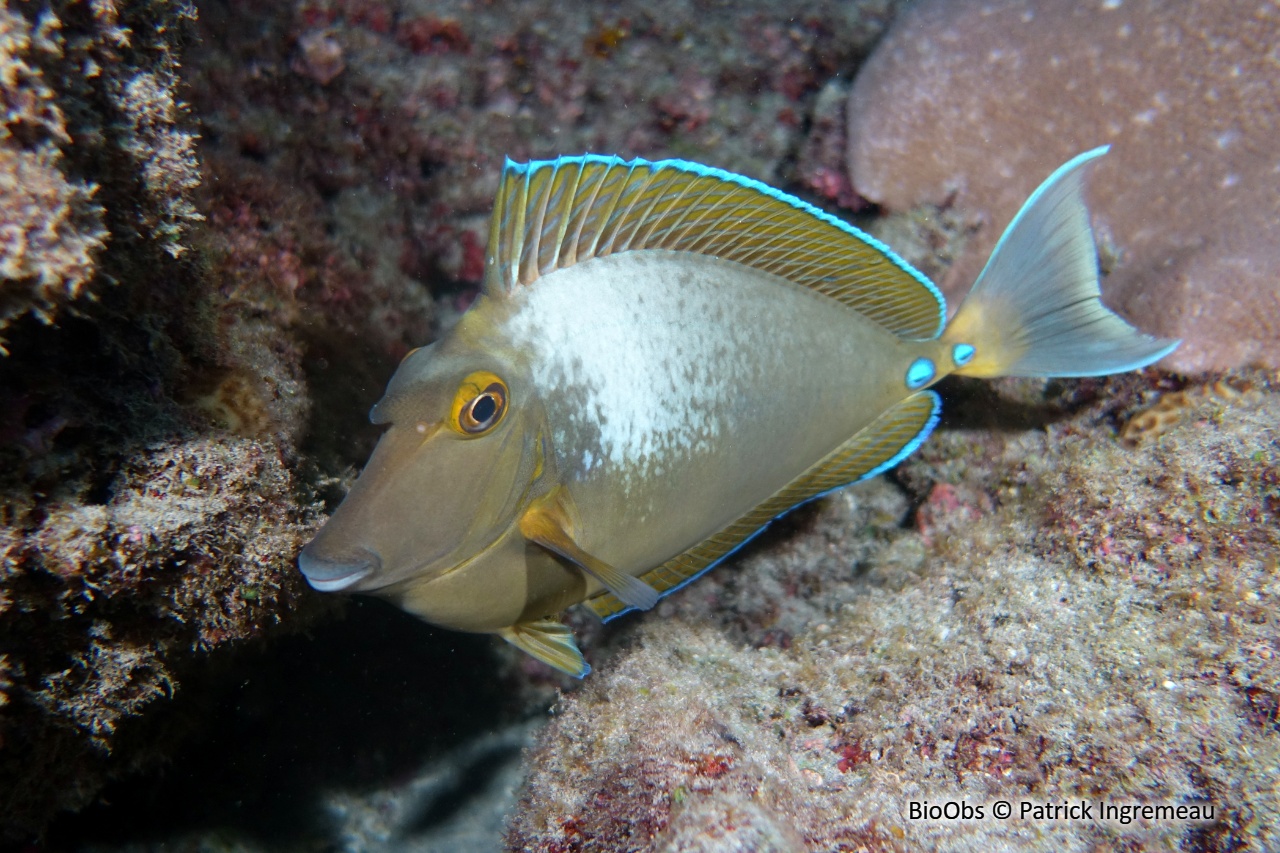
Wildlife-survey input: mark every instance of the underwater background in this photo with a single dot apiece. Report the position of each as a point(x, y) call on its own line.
point(223, 224)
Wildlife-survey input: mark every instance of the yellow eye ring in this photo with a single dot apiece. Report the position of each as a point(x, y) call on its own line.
point(479, 404)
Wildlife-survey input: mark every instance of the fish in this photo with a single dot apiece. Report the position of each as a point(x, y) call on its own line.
point(663, 358)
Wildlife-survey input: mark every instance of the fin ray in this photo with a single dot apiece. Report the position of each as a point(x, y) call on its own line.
point(631, 591)
point(550, 642)
point(877, 447)
point(1036, 308)
point(553, 213)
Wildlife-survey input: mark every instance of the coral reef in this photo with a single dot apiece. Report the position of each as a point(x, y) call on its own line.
point(219, 237)
point(52, 228)
point(1068, 617)
point(1171, 407)
point(370, 732)
point(135, 535)
point(392, 120)
point(200, 303)
point(971, 103)
point(191, 551)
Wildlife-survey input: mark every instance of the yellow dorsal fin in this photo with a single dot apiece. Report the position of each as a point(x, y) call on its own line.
point(551, 214)
point(876, 448)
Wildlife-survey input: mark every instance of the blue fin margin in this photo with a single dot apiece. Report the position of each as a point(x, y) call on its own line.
point(906, 450)
point(526, 169)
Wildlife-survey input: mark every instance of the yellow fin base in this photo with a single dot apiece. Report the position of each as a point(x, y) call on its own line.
point(550, 642)
point(875, 448)
point(1036, 309)
point(549, 522)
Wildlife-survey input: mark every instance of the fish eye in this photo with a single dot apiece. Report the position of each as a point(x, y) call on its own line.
point(484, 411)
point(480, 403)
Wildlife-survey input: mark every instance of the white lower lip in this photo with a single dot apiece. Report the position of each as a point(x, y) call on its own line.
point(336, 584)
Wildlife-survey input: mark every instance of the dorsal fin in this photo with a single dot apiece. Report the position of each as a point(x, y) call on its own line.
point(551, 214)
point(875, 448)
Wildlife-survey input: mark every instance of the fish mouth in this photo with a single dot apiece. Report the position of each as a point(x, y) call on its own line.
point(333, 575)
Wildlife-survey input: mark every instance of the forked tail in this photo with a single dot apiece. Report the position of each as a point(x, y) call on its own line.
point(1035, 310)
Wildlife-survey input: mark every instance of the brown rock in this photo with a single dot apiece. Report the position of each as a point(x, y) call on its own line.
point(50, 227)
point(974, 102)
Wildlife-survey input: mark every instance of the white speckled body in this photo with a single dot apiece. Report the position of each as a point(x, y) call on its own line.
point(681, 391)
point(665, 356)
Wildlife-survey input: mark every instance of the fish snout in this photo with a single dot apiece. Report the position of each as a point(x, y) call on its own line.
point(331, 573)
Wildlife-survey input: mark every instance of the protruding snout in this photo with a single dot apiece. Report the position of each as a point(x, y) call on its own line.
point(334, 572)
point(433, 495)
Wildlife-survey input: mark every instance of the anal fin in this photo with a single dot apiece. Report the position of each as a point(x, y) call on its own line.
point(547, 522)
point(550, 642)
point(876, 448)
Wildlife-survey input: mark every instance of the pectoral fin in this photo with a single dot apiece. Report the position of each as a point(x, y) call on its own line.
point(550, 642)
point(547, 522)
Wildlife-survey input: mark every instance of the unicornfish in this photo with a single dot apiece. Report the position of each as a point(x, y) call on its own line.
point(663, 358)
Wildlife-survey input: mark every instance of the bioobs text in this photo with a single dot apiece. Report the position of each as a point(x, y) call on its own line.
point(949, 810)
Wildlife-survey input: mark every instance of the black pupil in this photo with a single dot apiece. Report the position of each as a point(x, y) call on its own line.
point(484, 408)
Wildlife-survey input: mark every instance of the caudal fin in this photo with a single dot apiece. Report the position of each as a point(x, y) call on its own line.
point(1035, 309)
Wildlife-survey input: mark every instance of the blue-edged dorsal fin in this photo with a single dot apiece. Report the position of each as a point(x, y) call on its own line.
point(551, 214)
point(877, 447)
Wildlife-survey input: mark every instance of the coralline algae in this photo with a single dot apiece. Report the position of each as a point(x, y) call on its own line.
point(195, 382)
point(971, 102)
point(52, 228)
point(1072, 619)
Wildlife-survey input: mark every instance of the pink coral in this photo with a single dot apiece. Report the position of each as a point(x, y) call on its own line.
point(973, 102)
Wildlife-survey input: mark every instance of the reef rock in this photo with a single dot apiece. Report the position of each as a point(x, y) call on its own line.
point(50, 227)
point(1069, 619)
point(971, 103)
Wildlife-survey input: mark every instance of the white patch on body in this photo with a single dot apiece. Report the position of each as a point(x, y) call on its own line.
point(680, 391)
point(641, 352)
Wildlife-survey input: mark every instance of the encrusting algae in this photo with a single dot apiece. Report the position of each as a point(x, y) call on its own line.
point(614, 415)
point(135, 536)
point(1077, 626)
point(347, 150)
point(53, 227)
point(1170, 408)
